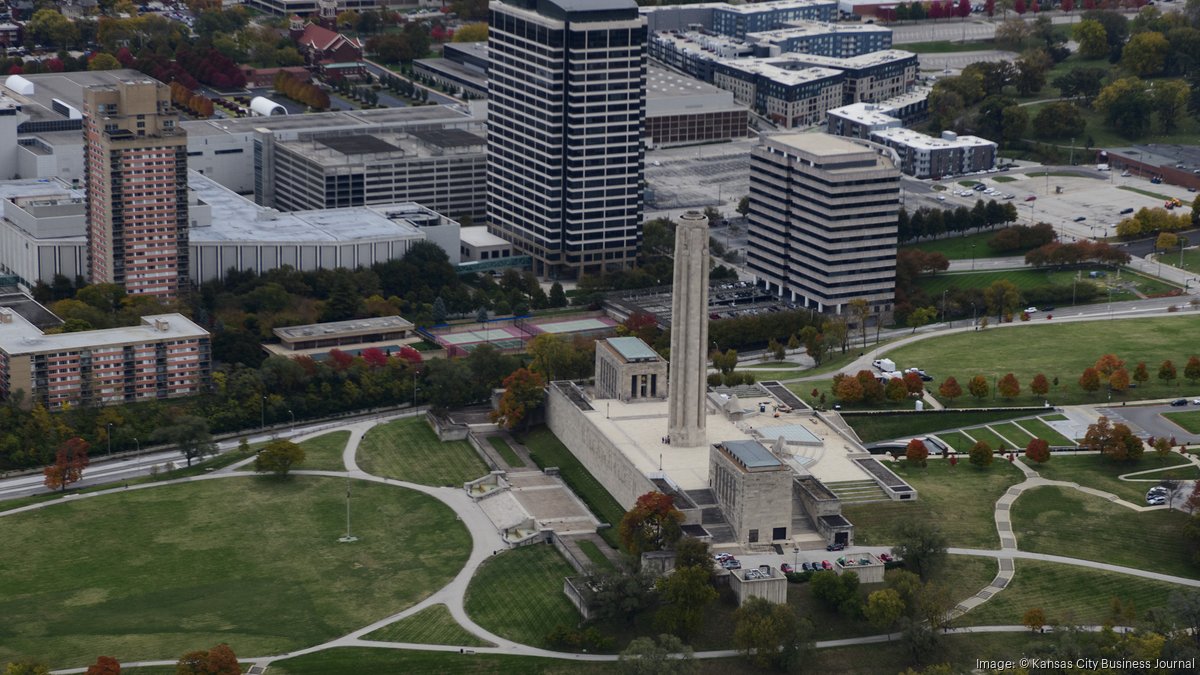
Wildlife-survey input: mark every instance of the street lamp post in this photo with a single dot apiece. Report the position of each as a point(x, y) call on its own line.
point(972, 257)
point(293, 421)
point(263, 414)
point(109, 435)
point(973, 315)
point(944, 305)
point(139, 449)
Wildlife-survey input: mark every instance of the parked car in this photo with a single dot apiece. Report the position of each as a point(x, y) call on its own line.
point(1080, 219)
point(805, 567)
point(1031, 198)
point(1196, 401)
point(886, 557)
point(1126, 211)
point(1031, 310)
point(825, 565)
point(722, 557)
point(786, 568)
point(732, 565)
point(838, 546)
point(1179, 402)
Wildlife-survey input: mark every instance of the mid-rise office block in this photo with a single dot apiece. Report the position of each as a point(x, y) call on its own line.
point(789, 98)
point(872, 77)
point(823, 222)
point(164, 357)
point(566, 107)
point(135, 170)
point(738, 20)
point(925, 156)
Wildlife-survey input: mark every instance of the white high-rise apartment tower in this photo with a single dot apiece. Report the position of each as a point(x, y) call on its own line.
point(566, 105)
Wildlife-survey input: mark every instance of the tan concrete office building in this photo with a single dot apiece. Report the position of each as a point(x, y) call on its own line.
point(754, 490)
point(823, 221)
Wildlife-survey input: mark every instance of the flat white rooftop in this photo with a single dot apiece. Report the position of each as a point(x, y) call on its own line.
point(861, 61)
point(478, 235)
point(237, 219)
point(917, 139)
point(786, 76)
point(637, 429)
point(867, 113)
point(798, 29)
point(18, 336)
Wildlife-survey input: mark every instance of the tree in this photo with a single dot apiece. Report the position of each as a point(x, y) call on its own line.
point(190, 435)
point(1008, 387)
point(861, 310)
point(668, 656)
point(558, 298)
point(651, 525)
point(1113, 440)
point(1170, 101)
point(921, 316)
point(616, 594)
point(837, 593)
point(104, 61)
point(471, 32)
point(1038, 450)
point(895, 391)
point(50, 27)
point(981, 454)
point(1090, 380)
point(524, 391)
point(916, 453)
point(1119, 381)
point(949, 389)
point(848, 389)
point(1034, 618)
point(26, 667)
point(770, 635)
point(1126, 106)
point(1092, 39)
point(69, 463)
point(684, 596)
point(1145, 55)
point(978, 386)
point(922, 547)
point(1167, 372)
point(1002, 297)
point(913, 384)
point(884, 608)
point(105, 665)
point(219, 660)
point(1040, 386)
point(1019, 7)
point(1192, 370)
point(278, 457)
point(1060, 119)
point(1032, 66)
point(1140, 374)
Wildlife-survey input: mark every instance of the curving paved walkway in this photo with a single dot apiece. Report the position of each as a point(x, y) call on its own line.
point(486, 542)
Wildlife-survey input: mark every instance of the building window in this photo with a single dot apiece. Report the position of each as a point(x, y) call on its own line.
point(753, 537)
point(779, 533)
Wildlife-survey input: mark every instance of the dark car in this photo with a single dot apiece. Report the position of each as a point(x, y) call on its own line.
point(835, 547)
point(805, 567)
point(1125, 211)
point(1031, 198)
point(1080, 219)
point(1179, 402)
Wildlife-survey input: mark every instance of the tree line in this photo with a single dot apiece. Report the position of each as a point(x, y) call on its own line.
point(933, 223)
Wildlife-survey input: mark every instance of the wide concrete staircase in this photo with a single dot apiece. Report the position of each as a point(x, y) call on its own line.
point(858, 491)
point(710, 515)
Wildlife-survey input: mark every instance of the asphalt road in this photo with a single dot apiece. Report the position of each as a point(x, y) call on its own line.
point(1147, 420)
point(1142, 247)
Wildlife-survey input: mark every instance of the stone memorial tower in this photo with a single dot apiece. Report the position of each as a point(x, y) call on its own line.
point(689, 333)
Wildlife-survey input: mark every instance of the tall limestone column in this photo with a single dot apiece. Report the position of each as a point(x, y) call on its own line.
point(689, 333)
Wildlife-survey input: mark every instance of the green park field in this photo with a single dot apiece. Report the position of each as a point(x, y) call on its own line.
point(1028, 349)
point(251, 561)
point(407, 449)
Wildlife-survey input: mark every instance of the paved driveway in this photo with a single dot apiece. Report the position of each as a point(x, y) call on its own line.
point(1148, 420)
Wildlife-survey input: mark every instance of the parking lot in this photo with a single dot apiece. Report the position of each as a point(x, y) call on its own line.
point(694, 177)
point(1059, 200)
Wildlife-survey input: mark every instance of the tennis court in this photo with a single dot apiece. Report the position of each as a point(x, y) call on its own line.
point(485, 335)
point(576, 325)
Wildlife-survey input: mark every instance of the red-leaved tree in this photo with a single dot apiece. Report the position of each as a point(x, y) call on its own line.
point(652, 524)
point(69, 463)
point(1008, 387)
point(916, 453)
point(1038, 450)
point(1019, 7)
point(105, 665)
point(1040, 386)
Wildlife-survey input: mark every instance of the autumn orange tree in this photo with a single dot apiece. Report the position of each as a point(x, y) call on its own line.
point(1040, 386)
point(978, 386)
point(1008, 387)
point(1038, 450)
point(651, 525)
point(105, 665)
point(847, 389)
point(914, 383)
point(1115, 441)
point(524, 391)
point(219, 660)
point(1108, 364)
point(916, 453)
point(981, 454)
point(69, 463)
point(895, 391)
point(872, 388)
point(1167, 372)
point(1140, 374)
point(1192, 370)
point(1119, 380)
point(950, 389)
point(1090, 380)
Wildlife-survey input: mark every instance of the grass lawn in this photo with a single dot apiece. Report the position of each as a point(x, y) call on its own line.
point(1097, 471)
point(505, 451)
point(1045, 432)
point(594, 554)
point(546, 450)
point(1189, 420)
point(961, 248)
point(518, 595)
point(959, 499)
point(1104, 136)
point(961, 652)
point(1029, 279)
point(1148, 193)
point(771, 365)
point(988, 436)
point(1033, 348)
point(358, 660)
point(1191, 259)
point(871, 428)
point(1067, 522)
point(430, 626)
point(1004, 179)
point(407, 449)
point(1068, 594)
point(957, 440)
point(1054, 417)
point(325, 452)
point(1017, 437)
point(251, 561)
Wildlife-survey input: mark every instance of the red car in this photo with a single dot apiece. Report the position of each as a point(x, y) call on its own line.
point(786, 568)
point(885, 557)
point(1031, 198)
point(825, 565)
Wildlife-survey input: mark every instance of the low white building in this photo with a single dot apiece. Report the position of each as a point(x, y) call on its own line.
point(42, 230)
